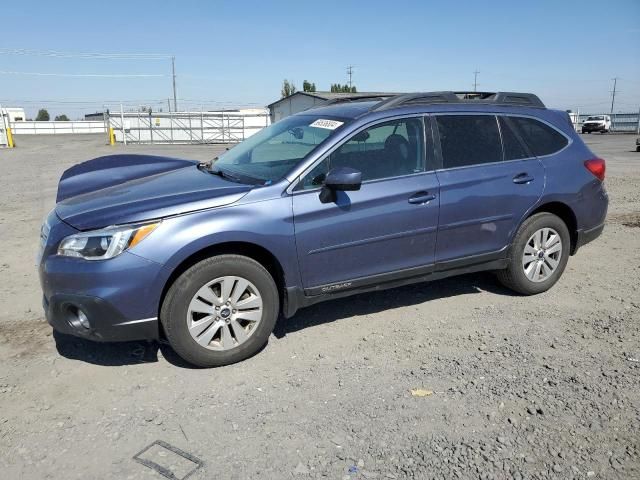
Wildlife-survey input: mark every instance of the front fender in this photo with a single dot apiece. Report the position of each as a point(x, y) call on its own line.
point(267, 224)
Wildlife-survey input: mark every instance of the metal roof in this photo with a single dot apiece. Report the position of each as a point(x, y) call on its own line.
point(336, 95)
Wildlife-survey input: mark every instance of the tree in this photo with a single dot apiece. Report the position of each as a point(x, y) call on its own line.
point(308, 86)
point(338, 88)
point(288, 88)
point(61, 118)
point(43, 115)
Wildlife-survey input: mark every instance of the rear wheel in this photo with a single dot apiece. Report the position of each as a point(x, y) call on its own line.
point(538, 255)
point(220, 311)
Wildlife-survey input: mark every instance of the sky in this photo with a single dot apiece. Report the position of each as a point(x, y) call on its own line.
point(237, 53)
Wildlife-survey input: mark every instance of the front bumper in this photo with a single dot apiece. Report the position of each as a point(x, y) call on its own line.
point(594, 128)
point(116, 295)
point(106, 323)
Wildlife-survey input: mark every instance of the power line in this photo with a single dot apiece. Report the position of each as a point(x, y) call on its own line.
point(98, 75)
point(97, 55)
point(94, 55)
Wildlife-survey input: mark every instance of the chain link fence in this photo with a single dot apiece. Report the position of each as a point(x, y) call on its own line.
point(620, 122)
point(185, 127)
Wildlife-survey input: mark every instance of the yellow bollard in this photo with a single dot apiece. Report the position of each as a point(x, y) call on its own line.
point(10, 138)
point(112, 136)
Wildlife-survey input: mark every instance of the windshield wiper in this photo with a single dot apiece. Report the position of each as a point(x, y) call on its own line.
point(225, 174)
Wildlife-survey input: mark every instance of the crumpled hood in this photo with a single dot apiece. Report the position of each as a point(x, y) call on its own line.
point(119, 189)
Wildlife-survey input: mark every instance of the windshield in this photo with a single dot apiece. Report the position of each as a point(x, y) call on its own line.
point(269, 154)
point(595, 118)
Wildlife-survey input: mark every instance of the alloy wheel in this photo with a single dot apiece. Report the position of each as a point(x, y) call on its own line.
point(224, 313)
point(541, 255)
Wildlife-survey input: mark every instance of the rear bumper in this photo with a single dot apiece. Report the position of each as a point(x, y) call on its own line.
point(586, 236)
point(106, 323)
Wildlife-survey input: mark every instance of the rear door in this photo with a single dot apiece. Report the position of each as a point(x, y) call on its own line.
point(485, 188)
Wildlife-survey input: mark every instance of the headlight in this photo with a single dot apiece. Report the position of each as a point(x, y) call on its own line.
point(105, 243)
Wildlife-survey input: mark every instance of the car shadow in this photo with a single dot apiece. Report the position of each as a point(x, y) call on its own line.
point(115, 354)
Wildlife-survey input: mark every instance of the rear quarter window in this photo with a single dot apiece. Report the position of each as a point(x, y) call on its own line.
point(539, 137)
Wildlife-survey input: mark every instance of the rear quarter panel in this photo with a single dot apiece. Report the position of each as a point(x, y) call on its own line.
point(569, 182)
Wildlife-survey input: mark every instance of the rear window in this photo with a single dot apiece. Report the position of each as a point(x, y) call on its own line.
point(540, 138)
point(468, 140)
point(513, 147)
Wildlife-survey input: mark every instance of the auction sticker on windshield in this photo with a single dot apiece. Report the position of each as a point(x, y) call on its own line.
point(328, 124)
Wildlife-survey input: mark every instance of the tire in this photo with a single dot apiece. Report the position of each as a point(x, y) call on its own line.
point(204, 281)
point(637, 149)
point(514, 276)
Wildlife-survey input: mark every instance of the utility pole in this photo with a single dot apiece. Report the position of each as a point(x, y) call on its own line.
point(613, 93)
point(475, 80)
point(613, 99)
point(173, 74)
point(350, 73)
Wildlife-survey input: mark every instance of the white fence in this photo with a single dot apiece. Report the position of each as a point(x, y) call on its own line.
point(56, 127)
point(187, 127)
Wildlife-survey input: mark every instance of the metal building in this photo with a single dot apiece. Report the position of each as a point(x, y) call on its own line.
point(301, 101)
point(13, 114)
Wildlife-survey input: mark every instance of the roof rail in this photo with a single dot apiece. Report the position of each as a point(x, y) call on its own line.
point(495, 98)
point(356, 98)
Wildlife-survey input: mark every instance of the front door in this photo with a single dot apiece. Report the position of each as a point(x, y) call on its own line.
point(484, 192)
point(385, 228)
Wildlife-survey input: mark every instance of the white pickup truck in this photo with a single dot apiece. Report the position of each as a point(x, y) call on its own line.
point(597, 123)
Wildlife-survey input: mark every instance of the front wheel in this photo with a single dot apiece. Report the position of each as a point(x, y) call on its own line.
point(220, 311)
point(538, 255)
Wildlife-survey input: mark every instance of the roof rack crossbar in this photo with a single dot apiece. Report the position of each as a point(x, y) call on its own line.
point(355, 98)
point(496, 98)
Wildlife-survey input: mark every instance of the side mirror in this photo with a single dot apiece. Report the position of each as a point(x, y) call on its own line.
point(342, 179)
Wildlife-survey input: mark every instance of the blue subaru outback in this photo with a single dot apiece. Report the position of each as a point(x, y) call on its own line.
point(342, 199)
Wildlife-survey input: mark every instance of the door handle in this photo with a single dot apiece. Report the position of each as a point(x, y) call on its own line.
point(420, 198)
point(522, 178)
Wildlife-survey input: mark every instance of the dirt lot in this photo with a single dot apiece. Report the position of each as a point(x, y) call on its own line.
point(537, 387)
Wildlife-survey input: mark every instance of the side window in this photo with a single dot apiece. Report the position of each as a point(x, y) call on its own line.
point(389, 149)
point(315, 177)
point(513, 147)
point(469, 140)
point(540, 138)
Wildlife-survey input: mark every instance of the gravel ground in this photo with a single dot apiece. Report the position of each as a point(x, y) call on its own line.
point(513, 387)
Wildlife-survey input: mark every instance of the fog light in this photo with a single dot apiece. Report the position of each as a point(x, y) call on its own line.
point(82, 318)
point(78, 319)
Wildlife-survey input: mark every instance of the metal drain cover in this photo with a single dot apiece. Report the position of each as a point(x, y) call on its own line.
point(168, 461)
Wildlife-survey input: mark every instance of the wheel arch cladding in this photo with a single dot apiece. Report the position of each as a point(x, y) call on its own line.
point(566, 214)
point(247, 249)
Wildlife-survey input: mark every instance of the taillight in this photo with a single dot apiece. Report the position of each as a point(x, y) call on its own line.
point(597, 167)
